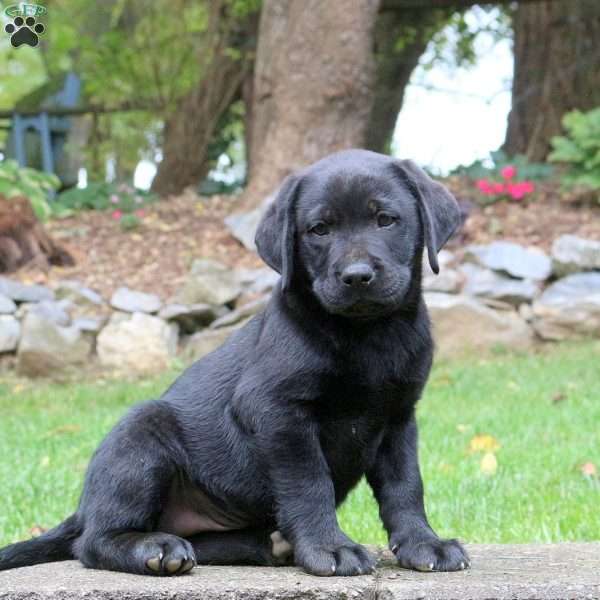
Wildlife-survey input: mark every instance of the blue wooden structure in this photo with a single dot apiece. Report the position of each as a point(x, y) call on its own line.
point(52, 129)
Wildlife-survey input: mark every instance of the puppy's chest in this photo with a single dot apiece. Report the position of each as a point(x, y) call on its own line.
point(351, 425)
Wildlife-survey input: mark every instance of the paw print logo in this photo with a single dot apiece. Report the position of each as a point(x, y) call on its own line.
point(24, 31)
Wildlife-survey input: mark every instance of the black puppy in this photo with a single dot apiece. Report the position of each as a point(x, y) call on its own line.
point(245, 458)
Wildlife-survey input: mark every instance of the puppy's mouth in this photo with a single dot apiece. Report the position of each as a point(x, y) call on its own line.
point(360, 307)
point(363, 310)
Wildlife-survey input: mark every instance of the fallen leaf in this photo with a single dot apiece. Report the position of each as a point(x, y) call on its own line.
point(45, 461)
point(589, 469)
point(444, 467)
point(484, 443)
point(558, 397)
point(61, 429)
point(442, 380)
point(488, 464)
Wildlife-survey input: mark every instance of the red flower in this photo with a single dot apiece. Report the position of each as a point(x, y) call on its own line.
point(140, 213)
point(516, 191)
point(529, 187)
point(499, 188)
point(508, 172)
point(117, 214)
point(484, 186)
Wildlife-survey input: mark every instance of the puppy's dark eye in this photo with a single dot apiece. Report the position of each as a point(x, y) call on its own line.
point(385, 220)
point(319, 229)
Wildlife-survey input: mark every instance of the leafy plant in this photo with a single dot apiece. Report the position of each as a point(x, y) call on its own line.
point(36, 186)
point(129, 221)
point(498, 160)
point(579, 150)
point(509, 187)
point(103, 196)
point(126, 202)
point(505, 178)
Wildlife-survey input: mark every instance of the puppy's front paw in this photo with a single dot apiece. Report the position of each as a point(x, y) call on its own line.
point(431, 555)
point(344, 559)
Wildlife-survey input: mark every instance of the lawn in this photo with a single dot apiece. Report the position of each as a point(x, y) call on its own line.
point(537, 416)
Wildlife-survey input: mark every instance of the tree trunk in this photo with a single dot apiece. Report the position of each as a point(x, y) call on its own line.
point(190, 129)
point(556, 58)
point(313, 86)
point(23, 239)
point(401, 37)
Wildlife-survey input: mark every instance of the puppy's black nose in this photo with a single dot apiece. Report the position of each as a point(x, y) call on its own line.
point(357, 275)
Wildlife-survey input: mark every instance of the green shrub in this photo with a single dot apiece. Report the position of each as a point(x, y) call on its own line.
point(129, 221)
point(37, 186)
point(579, 150)
point(482, 169)
point(103, 196)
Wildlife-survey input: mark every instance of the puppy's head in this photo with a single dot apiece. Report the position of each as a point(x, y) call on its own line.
point(353, 226)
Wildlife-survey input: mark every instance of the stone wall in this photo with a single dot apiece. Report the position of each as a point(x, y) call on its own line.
point(498, 295)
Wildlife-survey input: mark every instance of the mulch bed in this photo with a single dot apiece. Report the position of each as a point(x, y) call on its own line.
point(156, 256)
point(534, 222)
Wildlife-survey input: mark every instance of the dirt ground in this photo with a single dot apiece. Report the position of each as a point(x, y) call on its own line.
point(156, 256)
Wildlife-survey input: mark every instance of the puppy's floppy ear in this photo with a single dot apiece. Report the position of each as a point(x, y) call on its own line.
point(438, 209)
point(276, 231)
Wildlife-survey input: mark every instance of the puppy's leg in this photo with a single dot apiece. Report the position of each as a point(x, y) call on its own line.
point(244, 547)
point(305, 495)
point(126, 482)
point(396, 482)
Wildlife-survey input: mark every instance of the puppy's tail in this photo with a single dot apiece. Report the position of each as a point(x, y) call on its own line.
point(54, 545)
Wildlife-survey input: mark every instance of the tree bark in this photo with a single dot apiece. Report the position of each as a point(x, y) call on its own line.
point(395, 63)
point(556, 58)
point(313, 86)
point(190, 129)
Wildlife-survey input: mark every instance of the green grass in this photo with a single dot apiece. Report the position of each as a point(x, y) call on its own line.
point(48, 432)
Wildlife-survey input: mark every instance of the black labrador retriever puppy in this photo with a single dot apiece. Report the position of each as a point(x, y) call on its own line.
point(246, 456)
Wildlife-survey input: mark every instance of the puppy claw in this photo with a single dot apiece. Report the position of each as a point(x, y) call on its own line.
point(173, 565)
point(154, 563)
point(394, 548)
point(188, 565)
point(333, 568)
point(463, 566)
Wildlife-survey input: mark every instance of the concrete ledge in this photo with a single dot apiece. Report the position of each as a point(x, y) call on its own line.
point(547, 571)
